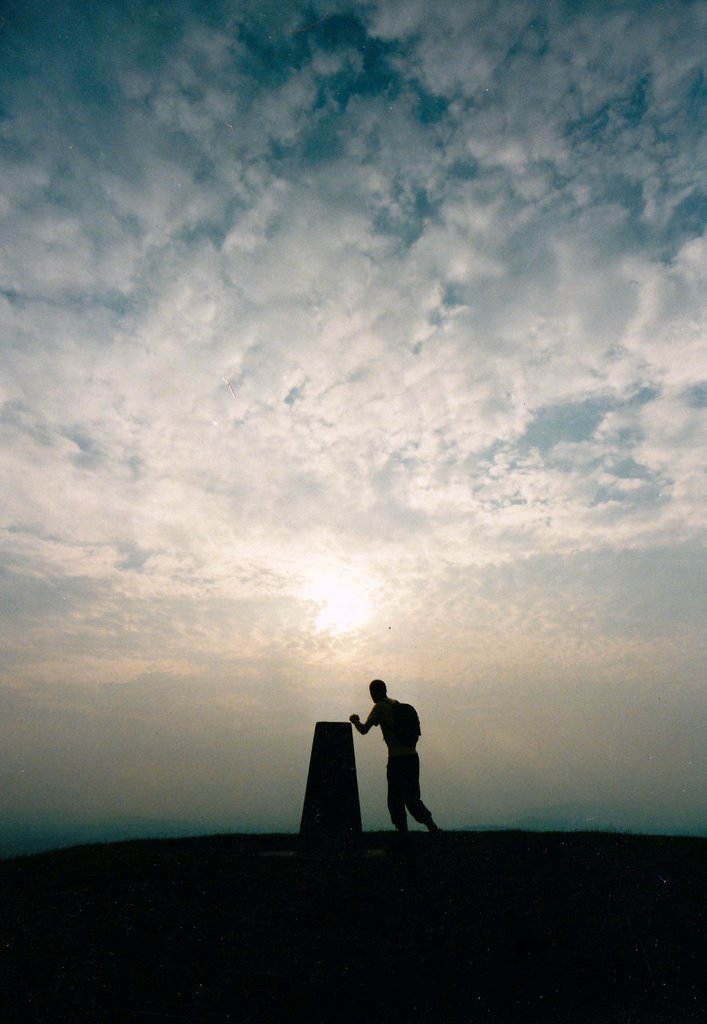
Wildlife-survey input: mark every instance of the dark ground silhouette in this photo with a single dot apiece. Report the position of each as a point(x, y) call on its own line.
point(522, 927)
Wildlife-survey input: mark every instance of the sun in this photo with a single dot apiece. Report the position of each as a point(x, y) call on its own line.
point(344, 604)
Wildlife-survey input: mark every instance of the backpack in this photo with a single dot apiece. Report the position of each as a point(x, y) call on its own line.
point(406, 724)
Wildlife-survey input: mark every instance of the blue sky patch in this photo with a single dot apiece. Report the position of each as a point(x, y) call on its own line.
point(574, 422)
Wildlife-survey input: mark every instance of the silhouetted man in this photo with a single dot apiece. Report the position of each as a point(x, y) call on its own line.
point(403, 770)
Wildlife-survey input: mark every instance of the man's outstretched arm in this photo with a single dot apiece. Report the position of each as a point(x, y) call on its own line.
point(362, 727)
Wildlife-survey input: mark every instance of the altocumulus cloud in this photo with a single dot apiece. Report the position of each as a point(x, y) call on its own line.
point(346, 341)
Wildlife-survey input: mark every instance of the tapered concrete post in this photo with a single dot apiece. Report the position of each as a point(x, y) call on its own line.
point(331, 816)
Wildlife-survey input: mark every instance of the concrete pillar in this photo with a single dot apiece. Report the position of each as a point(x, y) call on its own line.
point(331, 816)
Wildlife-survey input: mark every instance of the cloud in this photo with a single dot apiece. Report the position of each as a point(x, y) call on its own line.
point(280, 299)
point(412, 300)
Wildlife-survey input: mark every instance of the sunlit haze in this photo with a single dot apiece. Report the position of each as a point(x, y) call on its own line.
point(340, 342)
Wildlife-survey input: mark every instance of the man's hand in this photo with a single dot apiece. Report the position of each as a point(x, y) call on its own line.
point(356, 722)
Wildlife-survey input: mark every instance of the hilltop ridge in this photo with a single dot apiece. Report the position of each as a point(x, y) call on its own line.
point(469, 927)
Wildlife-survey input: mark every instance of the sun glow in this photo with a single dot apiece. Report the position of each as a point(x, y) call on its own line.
point(344, 604)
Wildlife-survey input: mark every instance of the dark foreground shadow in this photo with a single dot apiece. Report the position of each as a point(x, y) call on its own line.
point(588, 928)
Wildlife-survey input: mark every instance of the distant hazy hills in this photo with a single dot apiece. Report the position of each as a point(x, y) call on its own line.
point(19, 837)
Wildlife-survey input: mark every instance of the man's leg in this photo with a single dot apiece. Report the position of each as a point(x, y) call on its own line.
point(412, 794)
point(396, 795)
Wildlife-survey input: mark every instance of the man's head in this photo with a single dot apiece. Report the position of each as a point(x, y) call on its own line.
point(378, 690)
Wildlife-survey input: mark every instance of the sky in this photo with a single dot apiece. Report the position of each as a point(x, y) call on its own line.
point(348, 340)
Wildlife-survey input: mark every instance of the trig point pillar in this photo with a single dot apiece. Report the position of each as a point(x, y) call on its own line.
point(331, 816)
